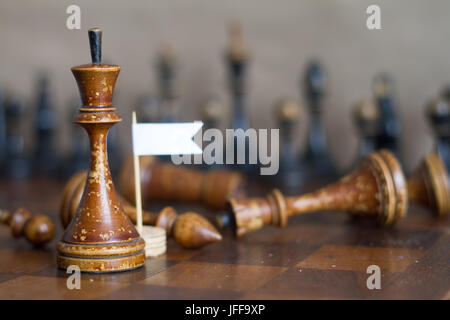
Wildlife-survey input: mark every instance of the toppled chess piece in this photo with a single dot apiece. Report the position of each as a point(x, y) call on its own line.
point(376, 189)
point(189, 229)
point(100, 237)
point(429, 185)
point(168, 182)
point(37, 229)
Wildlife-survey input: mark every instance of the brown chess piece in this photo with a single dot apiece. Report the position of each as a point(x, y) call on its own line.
point(429, 185)
point(190, 230)
point(169, 182)
point(100, 237)
point(37, 229)
point(376, 189)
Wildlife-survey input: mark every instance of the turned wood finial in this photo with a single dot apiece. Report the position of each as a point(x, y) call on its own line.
point(190, 230)
point(100, 224)
point(429, 185)
point(37, 229)
point(377, 189)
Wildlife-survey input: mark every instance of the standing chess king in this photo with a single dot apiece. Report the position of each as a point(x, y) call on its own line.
point(101, 237)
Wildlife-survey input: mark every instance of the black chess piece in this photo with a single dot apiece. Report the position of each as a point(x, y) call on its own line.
point(389, 125)
point(290, 176)
point(236, 57)
point(78, 157)
point(45, 160)
point(438, 112)
point(212, 112)
point(147, 109)
point(16, 164)
point(317, 155)
point(2, 127)
point(366, 115)
point(167, 71)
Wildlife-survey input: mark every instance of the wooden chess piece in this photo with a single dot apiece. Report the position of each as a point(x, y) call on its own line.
point(168, 182)
point(376, 189)
point(317, 155)
point(190, 230)
point(438, 113)
point(366, 116)
point(101, 237)
point(37, 229)
point(429, 185)
point(290, 174)
point(389, 125)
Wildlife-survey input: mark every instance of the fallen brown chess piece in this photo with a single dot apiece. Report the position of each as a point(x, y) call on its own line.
point(429, 185)
point(376, 189)
point(190, 230)
point(169, 182)
point(38, 229)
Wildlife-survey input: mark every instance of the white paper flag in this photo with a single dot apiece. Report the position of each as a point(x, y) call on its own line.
point(165, 138)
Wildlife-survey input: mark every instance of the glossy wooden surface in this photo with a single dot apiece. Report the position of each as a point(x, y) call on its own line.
point(323, 255)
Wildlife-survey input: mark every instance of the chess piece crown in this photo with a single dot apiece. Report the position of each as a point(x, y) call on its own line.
point(100, 237)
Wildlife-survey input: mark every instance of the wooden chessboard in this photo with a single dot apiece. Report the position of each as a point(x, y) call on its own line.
point(317, 256)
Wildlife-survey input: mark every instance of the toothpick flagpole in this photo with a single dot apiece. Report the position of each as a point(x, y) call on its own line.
point(137, 186)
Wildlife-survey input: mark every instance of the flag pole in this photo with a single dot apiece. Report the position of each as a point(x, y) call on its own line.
point(137, 185)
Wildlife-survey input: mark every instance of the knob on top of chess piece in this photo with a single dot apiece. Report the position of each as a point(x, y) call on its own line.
point(429, 185)
point(288, 110)
point(383, 85)
point(376, 189)
point(366, 111)
point(37, 229)
point(236, 49)
point(212, 111)
point(190, 230)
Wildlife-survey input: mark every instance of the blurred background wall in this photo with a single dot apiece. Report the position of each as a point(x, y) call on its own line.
point(282, 36)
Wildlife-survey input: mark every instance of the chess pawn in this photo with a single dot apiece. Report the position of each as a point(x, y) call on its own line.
point(190, 230)
point(366, 115)
point(168, 182)
point(290, 175)
point(376, 189)
point(37, 229)
point(438, 112)
point(429, 185)
point(317, 156)
point(389, 126)
point(100, 237)
point(45, 160)
point(17, 165)
point(167, 65)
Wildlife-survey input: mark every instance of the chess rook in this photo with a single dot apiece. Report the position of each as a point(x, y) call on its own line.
point(190, 230)
point(168, 182)
point(100, 237)
point(429, 185)
point(37, 229)
point(376, 189)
